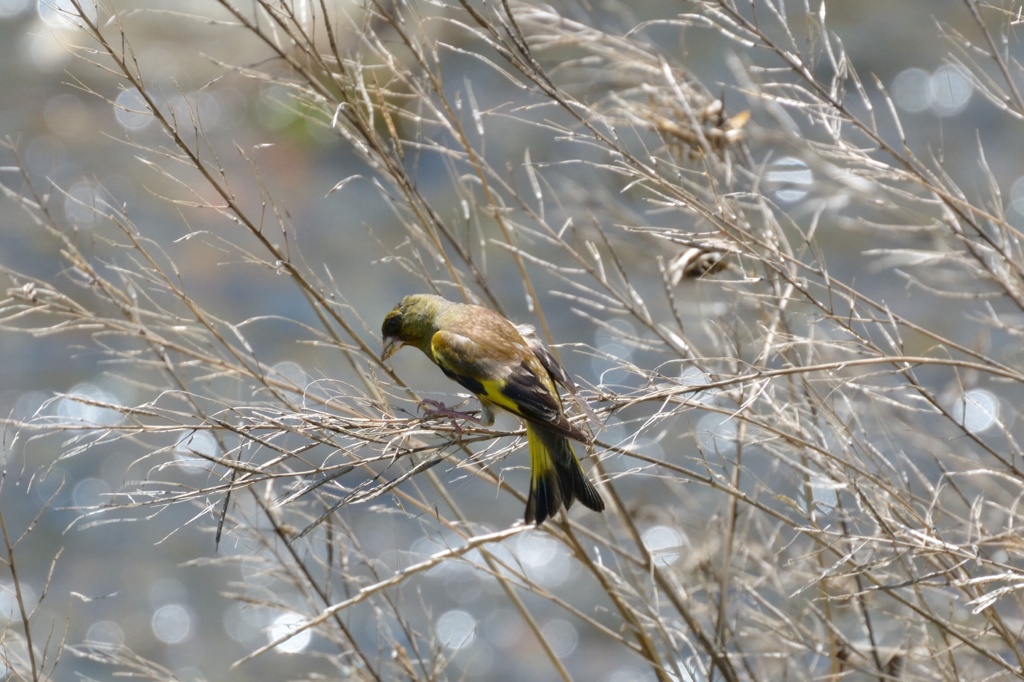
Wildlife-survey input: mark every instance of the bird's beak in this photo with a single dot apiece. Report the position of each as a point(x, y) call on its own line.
point(391, 344)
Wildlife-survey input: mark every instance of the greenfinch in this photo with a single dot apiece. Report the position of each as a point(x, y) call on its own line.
point(506, 367)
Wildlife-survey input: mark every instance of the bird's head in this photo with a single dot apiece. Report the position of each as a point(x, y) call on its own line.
point(411, 323)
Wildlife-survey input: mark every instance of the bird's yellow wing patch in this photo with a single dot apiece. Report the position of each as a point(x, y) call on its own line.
point(509, 377)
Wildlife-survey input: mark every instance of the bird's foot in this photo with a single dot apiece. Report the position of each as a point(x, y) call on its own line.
point(436, 409)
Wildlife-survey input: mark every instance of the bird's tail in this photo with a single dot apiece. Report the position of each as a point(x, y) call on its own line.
point(556, 477)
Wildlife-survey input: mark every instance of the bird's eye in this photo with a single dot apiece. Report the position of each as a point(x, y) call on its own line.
point(392, 324)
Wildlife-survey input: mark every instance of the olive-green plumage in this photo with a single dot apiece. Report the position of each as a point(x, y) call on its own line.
point(491, 357)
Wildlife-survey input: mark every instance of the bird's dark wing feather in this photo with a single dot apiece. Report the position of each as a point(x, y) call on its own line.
point(559, 374)
point(508, 375)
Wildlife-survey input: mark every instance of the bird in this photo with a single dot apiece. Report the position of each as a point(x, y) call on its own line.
point(506, 367)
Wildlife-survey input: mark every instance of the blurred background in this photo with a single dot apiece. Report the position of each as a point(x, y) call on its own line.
point(151, 576)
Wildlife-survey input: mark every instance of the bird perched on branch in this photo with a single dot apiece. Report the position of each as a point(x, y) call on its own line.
point(507, 367)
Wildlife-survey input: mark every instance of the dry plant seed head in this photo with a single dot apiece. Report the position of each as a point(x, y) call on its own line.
point(696, 262)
